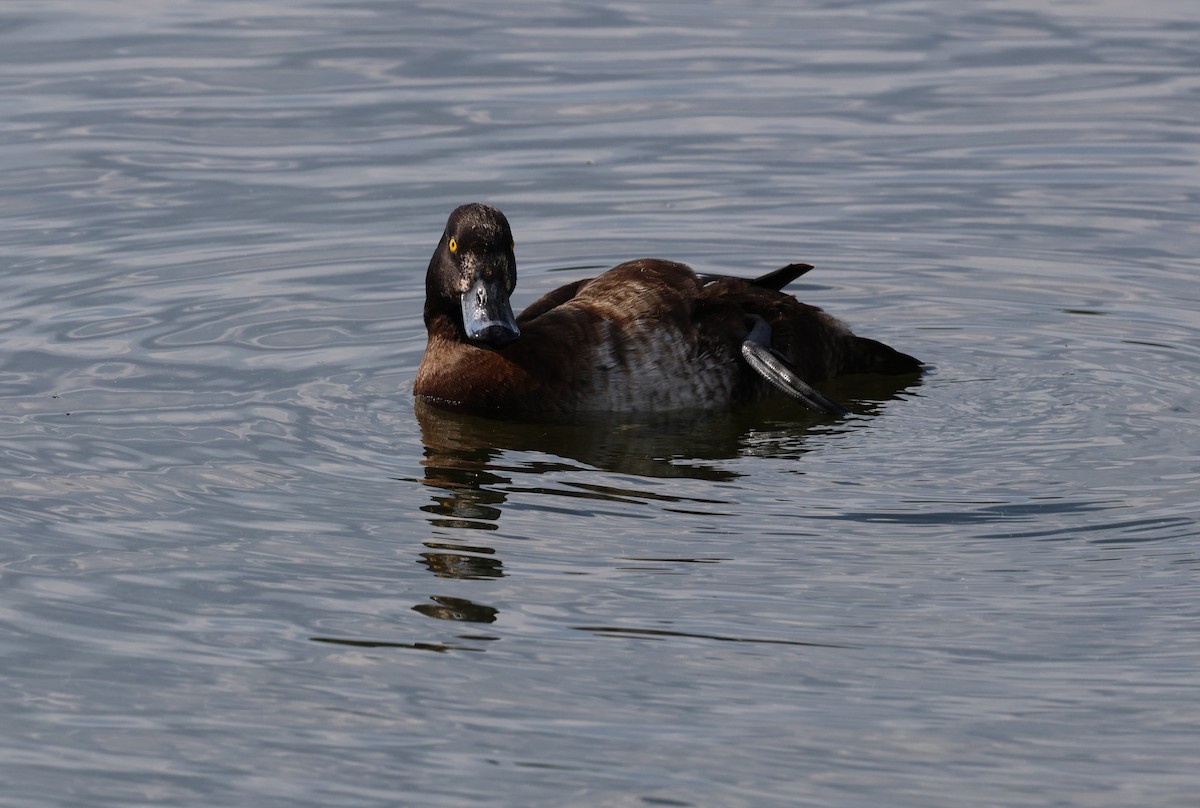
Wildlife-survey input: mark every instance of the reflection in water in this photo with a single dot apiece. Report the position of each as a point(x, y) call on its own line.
point(461, 566)
point(460, 609)
point(657, 633)
point(439, 647)
point(471, 464)
point(463, 463)
point(471, 481)
point(461, 451)
point(468, 503)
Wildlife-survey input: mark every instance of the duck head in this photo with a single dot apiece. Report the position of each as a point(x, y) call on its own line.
point(471, 275)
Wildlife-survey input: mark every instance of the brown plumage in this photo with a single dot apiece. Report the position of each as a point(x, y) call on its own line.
point(646, 336)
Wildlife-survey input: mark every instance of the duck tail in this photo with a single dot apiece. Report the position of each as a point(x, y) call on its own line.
point(781, 277)
point(872, 356)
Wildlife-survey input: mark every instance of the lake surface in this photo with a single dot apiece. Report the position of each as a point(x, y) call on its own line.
point(238, 567)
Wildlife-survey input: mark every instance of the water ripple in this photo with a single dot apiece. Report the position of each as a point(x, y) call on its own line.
point(221, 512)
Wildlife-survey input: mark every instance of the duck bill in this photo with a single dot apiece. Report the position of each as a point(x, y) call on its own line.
point(487, 315)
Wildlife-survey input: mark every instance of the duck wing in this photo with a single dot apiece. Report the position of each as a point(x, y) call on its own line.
point(551, 300)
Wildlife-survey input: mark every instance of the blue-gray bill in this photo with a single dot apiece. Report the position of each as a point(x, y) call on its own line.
point(487, 315)
point(772, 366)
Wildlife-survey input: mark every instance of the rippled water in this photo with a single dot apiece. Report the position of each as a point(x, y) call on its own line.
point(238, 567)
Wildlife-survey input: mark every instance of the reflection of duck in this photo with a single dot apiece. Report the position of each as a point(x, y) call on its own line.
point(470, 459)
point(458, 609)
point(463, 455)
point(646, 336)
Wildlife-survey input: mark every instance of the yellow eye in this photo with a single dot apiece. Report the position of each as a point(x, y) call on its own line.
point(453, 246)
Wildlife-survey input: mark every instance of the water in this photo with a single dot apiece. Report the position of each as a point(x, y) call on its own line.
point(239, 568)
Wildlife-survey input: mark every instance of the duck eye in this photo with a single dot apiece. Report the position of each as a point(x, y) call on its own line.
point(453, 246)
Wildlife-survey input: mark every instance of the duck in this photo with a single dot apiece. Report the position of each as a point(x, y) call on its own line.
point(647, 336)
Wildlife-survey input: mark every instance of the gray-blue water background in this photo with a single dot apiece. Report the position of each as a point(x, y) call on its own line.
point(238, 568)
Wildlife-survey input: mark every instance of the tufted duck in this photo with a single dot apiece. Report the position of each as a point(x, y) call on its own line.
point(646, 336)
